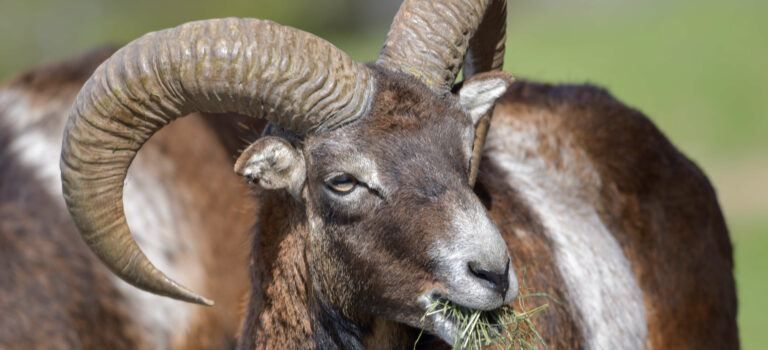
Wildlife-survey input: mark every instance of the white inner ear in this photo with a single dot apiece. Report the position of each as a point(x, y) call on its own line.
point(275, 163)
point(477, 97)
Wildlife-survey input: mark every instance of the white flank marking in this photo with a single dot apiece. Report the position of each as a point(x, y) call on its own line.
point(160, 231)
point(598, 276)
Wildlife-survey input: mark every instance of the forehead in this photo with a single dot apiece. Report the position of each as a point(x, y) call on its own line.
point(408, 126)
point(394, 137)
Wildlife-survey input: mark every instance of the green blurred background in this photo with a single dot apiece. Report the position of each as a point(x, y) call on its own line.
point(698, 68)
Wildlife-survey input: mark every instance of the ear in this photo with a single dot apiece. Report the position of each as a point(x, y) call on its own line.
point(479, 93)
point(273, 163)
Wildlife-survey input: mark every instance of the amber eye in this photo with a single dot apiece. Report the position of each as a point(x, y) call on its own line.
point(342, 184)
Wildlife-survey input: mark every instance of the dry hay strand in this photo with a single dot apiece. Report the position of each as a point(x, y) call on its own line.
point(502, 328)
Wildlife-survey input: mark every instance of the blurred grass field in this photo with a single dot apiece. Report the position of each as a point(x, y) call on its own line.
point(697, 68)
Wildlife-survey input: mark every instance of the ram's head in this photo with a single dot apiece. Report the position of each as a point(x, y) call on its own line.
point(380, 157)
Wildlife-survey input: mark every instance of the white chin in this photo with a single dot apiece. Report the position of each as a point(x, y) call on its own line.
point(443, 327)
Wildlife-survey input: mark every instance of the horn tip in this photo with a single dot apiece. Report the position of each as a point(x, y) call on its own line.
point(184, 294)
point(198, 299)
point(204, 301)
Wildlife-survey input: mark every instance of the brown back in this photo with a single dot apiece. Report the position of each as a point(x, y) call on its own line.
point(54, 292)
point(656, 203)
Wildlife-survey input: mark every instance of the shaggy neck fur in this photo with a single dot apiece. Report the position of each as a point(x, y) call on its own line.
point(286, 310)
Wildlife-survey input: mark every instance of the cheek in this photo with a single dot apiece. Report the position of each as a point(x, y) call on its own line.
point(401, 239)
point(330, 262)
point(386, 284)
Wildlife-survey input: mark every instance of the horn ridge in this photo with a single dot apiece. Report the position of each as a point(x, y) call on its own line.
point(245, 66)
point(432, 40)
point(429, 39)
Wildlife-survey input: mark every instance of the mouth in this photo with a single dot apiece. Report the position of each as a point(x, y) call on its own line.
point(466, 328)
point(463, 327)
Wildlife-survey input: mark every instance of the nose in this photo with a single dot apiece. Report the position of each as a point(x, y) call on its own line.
point(497, 280)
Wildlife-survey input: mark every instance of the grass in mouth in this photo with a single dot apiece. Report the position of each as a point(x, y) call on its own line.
point(504, 328)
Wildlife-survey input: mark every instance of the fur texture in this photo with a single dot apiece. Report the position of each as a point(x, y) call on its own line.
point(592, 201)
point(56, 294)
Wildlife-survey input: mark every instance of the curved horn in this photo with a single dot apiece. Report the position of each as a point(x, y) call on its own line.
point(486, 48)
point(247, 66)
point(486, 53)
point(429, 39)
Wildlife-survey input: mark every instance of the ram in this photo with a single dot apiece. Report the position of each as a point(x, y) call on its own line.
point(382, 188)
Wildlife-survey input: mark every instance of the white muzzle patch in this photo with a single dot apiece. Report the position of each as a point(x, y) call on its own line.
point(474, 263)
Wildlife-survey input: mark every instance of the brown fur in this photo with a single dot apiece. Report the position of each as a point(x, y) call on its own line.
point(621, 142)
point(55, 293)
point(341, 288)
point(659, 205)
point(532, 254)
point(219, 197)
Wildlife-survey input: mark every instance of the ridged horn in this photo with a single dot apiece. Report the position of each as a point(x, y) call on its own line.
point(486, 54)
point(246, 66)
point(431, 39)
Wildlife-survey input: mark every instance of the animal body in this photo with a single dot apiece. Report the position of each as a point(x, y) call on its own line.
point(55, 293)
point(381, 187)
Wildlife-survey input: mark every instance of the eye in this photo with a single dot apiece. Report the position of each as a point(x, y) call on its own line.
point(341, 184)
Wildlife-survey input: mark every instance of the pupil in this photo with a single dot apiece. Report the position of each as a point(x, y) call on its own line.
point(342, 183)
point(341, 179)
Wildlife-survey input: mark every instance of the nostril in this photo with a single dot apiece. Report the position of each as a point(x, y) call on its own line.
point(499, 281)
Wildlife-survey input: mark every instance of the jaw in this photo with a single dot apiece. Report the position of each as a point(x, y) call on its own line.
point(443, 325)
